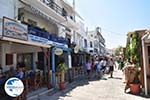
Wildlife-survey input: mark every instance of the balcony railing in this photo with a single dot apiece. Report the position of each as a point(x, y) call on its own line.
point(36, 31)
point(51, 4)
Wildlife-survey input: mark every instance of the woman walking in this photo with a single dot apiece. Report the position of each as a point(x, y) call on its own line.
point(88, 68)
point(111, 67)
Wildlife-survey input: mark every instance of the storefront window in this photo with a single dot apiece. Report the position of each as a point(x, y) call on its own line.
point(40, 61)
point(27, 59)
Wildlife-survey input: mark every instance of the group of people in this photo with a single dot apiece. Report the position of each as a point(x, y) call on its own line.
point(4, 76)
point(100, 66)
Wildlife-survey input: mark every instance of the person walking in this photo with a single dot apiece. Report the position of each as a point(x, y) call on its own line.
point(98, 69)
point(88, 68)
point(111, 67)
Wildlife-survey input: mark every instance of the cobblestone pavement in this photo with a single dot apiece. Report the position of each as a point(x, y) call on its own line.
point(104, 89)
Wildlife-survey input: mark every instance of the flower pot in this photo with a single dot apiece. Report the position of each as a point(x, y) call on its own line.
point(62, 85)
point(135, 88)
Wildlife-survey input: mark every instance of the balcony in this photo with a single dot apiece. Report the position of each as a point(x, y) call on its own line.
point(53, 11)
point(51, 4)
point(49, 8)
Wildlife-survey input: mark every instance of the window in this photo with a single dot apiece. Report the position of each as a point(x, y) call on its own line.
point(68, 37)
point(26, 58)
point(9, 59)
point(91, 45)
point(85, 43)
point(20, 15)
point(31, 22)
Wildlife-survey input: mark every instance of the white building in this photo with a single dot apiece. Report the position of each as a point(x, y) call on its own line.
point(96, 42)
point(47, 25)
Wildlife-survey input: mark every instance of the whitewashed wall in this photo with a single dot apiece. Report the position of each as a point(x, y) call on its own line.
point(7, 8)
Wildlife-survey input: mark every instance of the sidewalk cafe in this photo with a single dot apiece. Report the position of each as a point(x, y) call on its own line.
point(20, 54)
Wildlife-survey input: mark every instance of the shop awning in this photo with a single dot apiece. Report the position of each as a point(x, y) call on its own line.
point(26, 42)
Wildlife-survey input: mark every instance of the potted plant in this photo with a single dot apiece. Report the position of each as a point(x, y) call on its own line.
point(62, 68)
point(135, 85)
point(132, 53)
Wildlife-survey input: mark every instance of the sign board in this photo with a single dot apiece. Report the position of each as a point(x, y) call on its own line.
point(76, 49)
point(37, 39)
point(14, 29)
point(58, 51)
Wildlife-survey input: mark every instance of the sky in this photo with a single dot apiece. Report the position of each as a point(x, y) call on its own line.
point(115, 17)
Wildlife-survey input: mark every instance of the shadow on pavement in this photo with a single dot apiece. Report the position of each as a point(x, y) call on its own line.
point(77, 83)
point(115, 78)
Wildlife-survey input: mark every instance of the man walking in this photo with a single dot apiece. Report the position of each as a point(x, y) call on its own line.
point(111, 67)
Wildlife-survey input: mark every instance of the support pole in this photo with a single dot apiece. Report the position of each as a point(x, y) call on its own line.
point(53, 68)
point(144, 63)
point(70, 67)
point(48, 67)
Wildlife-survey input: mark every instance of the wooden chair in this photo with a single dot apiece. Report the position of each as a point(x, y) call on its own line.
point(38, 80)
point(24, 94)
point(31, 81)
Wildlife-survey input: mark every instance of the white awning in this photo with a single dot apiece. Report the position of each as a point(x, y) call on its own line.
point(26, 42)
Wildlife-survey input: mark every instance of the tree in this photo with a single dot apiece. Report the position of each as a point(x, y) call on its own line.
point(118, 50)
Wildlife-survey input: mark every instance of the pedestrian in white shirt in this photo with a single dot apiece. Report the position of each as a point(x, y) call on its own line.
point(111, 67)
point(88, 68)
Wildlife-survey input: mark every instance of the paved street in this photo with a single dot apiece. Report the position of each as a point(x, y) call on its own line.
point(104, 89)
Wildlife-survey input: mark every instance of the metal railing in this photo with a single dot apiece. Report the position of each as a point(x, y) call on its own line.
point(51, 4)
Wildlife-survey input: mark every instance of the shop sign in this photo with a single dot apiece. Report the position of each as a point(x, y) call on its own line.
point(38, 39)
point(14, 29)
point(58, 51)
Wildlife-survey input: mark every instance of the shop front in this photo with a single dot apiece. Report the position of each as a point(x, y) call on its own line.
point(20, 53)
point(78, 63)
point(60, 52)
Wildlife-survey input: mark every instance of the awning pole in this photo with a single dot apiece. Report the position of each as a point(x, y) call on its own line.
point(53, 68)
point(144, 63)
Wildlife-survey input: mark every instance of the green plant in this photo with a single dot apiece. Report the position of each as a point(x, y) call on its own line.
point(62, 67)
point(118, 50)
point(132, 51)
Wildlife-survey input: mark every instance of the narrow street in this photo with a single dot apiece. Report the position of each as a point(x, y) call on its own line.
point(104, 89)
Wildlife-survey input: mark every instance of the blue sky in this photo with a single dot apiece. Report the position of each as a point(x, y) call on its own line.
point(115, 17)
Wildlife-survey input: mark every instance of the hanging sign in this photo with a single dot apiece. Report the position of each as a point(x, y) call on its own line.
point(58, 51)
point(76, 49)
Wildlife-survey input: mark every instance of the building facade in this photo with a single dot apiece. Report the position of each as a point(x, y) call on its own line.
point(96, 42)
point(31, 31)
